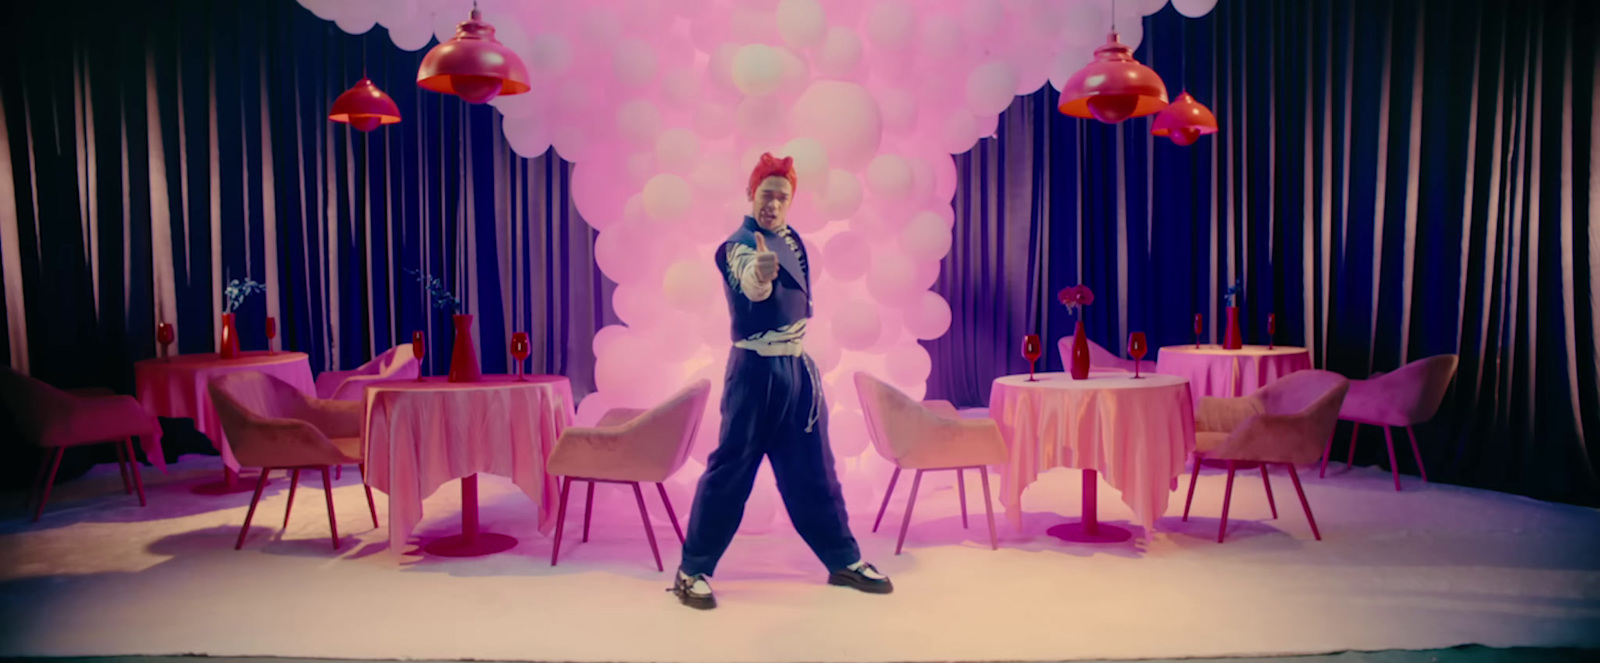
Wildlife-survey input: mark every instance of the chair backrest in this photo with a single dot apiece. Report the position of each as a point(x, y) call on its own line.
point(1098, 355)
point(1305, 408)
point(681, 414)
point(394, 360)
point(246, 401)
point(31, 401)
point(881, 403)
point(1418, 388)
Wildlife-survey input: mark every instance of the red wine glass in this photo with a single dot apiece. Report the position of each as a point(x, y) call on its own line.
point(272, 333)
point(420, 349)
point(1031, 350)
point(165, 335)
point(1199, 327)
point(1137, 348)
point(1272, 328)
point(519, 351)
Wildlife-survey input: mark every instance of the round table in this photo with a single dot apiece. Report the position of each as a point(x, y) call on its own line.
point(419, 434)
point(175, 387)
point(1135, 432)
point(1213, 371)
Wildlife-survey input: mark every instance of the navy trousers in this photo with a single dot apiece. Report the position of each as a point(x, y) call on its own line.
point(766, 413)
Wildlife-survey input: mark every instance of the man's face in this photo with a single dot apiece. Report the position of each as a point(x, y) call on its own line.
point(770, 204)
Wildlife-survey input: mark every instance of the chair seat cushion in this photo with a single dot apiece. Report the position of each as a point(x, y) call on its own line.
point(1204, 442)
point(349, 446)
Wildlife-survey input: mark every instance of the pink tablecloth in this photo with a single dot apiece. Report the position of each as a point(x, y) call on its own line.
point(1213, 371)
point(1135, 433)
point(420, 435)
point(177, 388)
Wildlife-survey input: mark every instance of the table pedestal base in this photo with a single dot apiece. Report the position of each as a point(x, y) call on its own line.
point(470, 542)
point(1090, 529)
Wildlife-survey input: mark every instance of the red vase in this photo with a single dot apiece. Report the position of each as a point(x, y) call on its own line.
point(229, 347)
point(1232, 340)
point(464, 357)
point(1080, 353)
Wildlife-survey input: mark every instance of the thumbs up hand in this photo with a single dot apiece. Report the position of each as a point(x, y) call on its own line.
point(766, 262)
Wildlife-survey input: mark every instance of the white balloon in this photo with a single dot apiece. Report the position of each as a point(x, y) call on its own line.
point(990, 87)
point(633, 63)
point(856, 324)
point(757, 69)
point(667, 197)
point(529, 137)
point(983, 18)
point(810, 160)
point(891, 24)
point(1148, 7)
point(549, 54)
point(899, 106)
point(357, 24)
point(714, 121)
point(844, 117)
point(802, 23)
point(892, 278)
point(928, 316)
point(926, 237)
point(761, 119)
point(890, 177)
point(677, 150)
point(840, 54)
point(1085, 23)
point(1194, 8)
point(680, 87)
point(639, 121)
point(843, 195)
point(909, 364)
point(411, 35)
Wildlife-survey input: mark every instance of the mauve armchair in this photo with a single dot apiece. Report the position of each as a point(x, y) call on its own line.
point(53, 420)
point(1098, 355)
point(1409, 396)
point(271, 425)
point(927, 437)
point(397, 363)
point(629, 446)
point(1281, 423)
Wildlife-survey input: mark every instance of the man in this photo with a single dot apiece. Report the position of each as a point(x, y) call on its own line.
point(772, 405)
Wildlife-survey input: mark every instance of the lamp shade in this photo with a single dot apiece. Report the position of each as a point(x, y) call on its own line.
point(1114, 87)
point(364, 107)
point(472, 65)
point(1184, 121)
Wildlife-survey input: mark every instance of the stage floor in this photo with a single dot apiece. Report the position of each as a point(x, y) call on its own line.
point(1434, 566)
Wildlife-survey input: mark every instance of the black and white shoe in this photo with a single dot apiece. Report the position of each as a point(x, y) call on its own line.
point(694, 591)
point(862, 576)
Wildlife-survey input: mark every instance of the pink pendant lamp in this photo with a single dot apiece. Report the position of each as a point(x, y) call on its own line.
point(364, 107)
point(472, 65)
point(1185, 121)
point(1114, 87)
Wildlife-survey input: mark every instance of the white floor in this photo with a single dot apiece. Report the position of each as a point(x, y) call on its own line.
point(1433, 566)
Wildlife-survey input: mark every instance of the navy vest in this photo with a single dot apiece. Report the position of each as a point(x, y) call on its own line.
point(791, 298)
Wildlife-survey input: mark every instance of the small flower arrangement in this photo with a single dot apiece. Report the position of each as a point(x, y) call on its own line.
point(237, 291)
point(1234, 293)
point(1075, 296)
point(441, 296)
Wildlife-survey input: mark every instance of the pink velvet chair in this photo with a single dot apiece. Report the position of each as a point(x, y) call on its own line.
point(928, 437)
point(397, 363)
point(271, 425)
point(1099, 357)
point(1281, 423)
point(53, 420)
point(629, 446)
point(1409, 396)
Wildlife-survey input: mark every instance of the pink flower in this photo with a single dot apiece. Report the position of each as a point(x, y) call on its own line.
point(1074, 296)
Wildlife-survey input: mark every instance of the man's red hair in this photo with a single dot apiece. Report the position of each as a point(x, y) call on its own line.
point(770, 166)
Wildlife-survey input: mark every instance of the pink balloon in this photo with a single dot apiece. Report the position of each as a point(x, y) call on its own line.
point(926, 238)
point(596, 194)
point(847, 432)
point(928, 316)
point(909, 364)
point(856, 325)
point(847, 256)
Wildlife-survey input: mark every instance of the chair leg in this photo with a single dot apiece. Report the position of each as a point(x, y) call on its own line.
point(1295, 476)
point(916, 481)
point(294, 482)
point(122, 467)
point(886, 495)
point(988, 507)
point(671, 515)
point(1194, 478)
point(588, 510)
point(1394, 468)
point(961, 489)
point(649, 532)
point(1350, 460)
point(1417, 454)
point(1327, 451)
point(133, 469)
point(338, 472)
point(49, 480)
point(248, 515)
point(327, 491)
point(362, 468)
point(38, 477)
point(1267, 483)
point(561, 520)
point(1227, 496)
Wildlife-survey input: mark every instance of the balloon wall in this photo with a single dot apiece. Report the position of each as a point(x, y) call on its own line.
point(664, 106)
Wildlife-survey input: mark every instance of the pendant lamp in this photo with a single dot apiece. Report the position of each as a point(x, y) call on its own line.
point(1114, 87)
point(472, 65)
point(364, 107)
point(1185, 121)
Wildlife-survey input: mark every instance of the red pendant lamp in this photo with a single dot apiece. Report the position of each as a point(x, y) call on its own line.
point(1114, 87)
point(364, 107)
point(1185, 121)
point(472, 65)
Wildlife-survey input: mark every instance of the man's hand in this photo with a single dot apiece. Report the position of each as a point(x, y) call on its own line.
point(766, 261)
